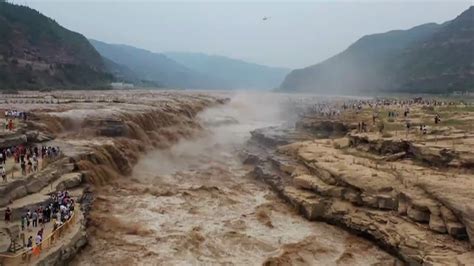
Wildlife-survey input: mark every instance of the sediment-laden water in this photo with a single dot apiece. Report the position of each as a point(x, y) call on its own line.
point(194, 204)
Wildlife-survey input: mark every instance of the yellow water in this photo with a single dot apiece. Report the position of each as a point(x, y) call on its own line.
point(194, 204)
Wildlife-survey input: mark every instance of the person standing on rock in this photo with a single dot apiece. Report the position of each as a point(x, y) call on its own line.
point(38, 239)
point(408, 128)
point(40, 216)
point(35, 164)
point(40, 232)
point(47, 214)
point(23, 222)
point(34, 218)
point(8, 215)
point(29, 166)
point(35, 151)
point(3, 173)
point(28, 217)
point(10, 125)
point(29, 245)
point(23, 167)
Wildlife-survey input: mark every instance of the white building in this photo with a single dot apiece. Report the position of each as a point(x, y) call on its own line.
point(121, 85)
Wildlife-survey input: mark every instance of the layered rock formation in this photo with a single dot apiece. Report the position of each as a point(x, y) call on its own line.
point(412, 199)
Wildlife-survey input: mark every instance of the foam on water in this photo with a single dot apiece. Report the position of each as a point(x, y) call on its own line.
point(194, 204)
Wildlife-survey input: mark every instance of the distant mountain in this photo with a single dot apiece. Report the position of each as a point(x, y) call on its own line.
point(232, 73)
point(124, 74)
point(151, 67)
point(36, 52)
point(430, 58)
point(187, 70)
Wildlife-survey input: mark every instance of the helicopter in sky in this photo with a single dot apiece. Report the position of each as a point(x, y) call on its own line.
point(265, 18)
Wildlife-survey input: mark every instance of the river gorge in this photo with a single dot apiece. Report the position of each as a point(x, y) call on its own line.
point(194, 202)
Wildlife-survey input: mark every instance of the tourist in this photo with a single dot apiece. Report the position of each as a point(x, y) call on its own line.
point(408, 128)
point(34, 218)
point(35, 164)
point(40, 215)
point(8, 215)
point(23, 166)
point(30, 242)
point(40, 232)
point(29, 166)
point(45, 215)
point(10, 125)
point(3, 173)
point(38, 239)
point(23, 222)
point(28, 218)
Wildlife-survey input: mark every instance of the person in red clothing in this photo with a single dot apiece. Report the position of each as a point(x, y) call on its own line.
point(10, 125)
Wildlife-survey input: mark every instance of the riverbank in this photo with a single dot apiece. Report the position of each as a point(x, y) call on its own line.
point(194, 203)
point(407, 189)
point(159, 178)
point(100, 139)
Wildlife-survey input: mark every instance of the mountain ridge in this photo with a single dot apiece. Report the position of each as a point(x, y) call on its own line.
point(394, 61)
point(237, 73)
point(187, 69)
point(153, 67)
point(35, 52)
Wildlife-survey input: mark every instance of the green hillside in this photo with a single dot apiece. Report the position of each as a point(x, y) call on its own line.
point(36, 52)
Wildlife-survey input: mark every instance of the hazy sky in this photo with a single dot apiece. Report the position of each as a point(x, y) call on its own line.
point(297, 34)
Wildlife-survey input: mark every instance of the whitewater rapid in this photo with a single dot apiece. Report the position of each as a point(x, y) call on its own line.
point(195, 204)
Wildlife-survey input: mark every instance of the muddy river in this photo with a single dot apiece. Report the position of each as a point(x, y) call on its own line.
point(193, 204)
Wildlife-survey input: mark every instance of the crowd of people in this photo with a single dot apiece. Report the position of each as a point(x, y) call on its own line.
point(58, 210)
point(10, 115)
point(394, 108)
point(27, 157)
point(16, 114)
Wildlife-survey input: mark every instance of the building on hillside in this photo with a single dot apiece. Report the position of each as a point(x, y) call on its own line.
point(121, 85)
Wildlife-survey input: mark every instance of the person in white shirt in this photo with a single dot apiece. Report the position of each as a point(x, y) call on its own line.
point(35, 164)
point(3, 173)
point(38, 239)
